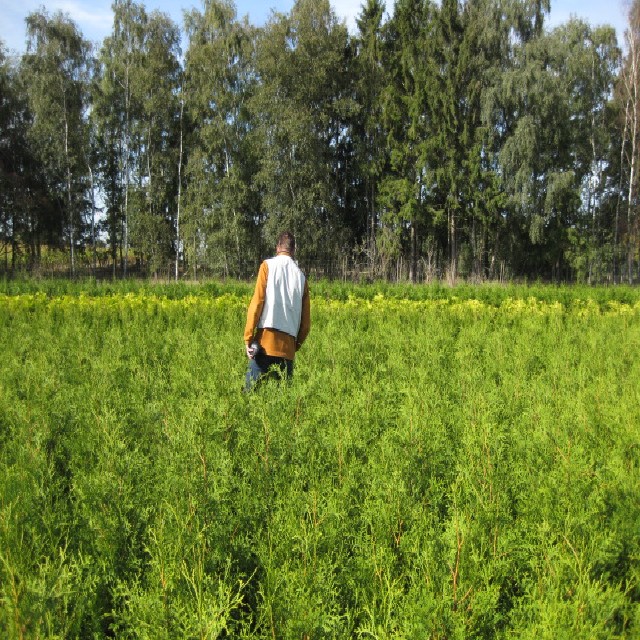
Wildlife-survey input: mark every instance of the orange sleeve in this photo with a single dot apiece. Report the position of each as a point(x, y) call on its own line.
point(257, 302)
point(305, 320)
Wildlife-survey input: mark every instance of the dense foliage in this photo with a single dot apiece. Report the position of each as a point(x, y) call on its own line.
point(458, 463)
point(442, 139)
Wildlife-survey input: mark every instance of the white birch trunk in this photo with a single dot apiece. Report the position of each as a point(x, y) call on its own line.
point(179, 191)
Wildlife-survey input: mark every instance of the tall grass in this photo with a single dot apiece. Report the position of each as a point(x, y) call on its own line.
point(451, 466)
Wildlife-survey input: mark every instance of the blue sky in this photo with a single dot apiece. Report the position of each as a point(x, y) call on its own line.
point(94, 17)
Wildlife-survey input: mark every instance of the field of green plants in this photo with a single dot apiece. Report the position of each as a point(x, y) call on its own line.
point(446, 463)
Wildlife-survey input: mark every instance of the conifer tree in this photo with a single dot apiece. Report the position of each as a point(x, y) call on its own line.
point(367, 131)
point(410, 90)
point(21, 184)
point(300, 110)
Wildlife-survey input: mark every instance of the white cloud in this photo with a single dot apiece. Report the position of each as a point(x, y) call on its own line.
point(349, 10)
point(92, 17)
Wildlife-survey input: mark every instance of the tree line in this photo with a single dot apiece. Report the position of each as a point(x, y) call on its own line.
point(458, 138)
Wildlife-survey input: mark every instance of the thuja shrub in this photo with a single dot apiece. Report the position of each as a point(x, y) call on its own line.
point(440, 466)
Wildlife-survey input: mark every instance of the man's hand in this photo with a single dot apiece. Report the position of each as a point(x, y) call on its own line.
point(253, 349)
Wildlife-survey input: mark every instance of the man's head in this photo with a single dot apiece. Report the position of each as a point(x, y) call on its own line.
point(286, 243)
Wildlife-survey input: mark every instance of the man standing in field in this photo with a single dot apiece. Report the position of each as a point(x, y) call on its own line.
point(279, 315)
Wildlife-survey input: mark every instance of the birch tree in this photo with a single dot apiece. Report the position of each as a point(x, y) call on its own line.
point(157, 78)
point(587, 59)
point(119, 113)
point(57, 62)
point(218, 201)
point(630, 96)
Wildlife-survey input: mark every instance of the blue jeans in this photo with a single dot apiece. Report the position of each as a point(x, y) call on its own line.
point(264, 367)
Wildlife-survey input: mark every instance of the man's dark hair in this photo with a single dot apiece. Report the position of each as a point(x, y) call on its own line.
point(286, 242)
